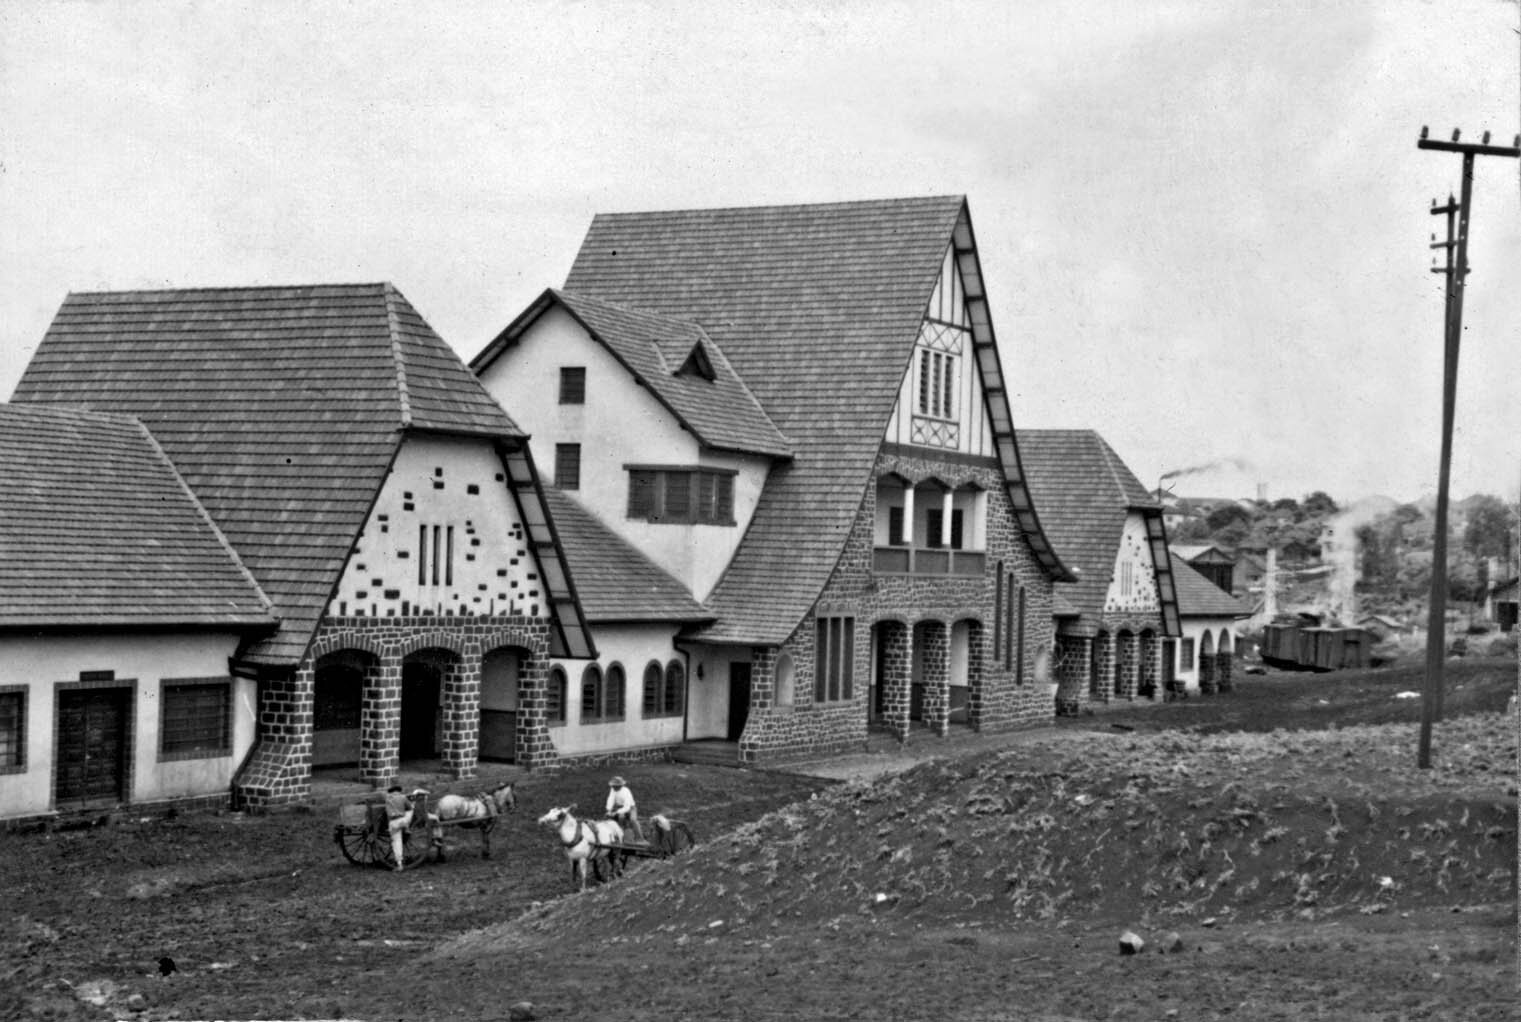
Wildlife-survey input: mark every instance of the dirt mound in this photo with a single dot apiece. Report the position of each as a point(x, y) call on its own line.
point(1287, 825)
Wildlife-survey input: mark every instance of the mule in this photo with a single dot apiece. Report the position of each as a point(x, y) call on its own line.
point(585, 842)
point(475, 812)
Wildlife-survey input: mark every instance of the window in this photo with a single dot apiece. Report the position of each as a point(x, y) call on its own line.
point(196, 719)
point(1186, 656)
point(612, 703)
point(435, 555)
point(700, 496)
point(895, 535)
point(934, 524)
point(554, 696)
point(834, 663)
point(568, 466)
point(1019, 664)
point(653, 676)
point(675, 688)
point(937, 386)
point(784, 679)
point(12, 730)
point(591, 693)
point(572, 385)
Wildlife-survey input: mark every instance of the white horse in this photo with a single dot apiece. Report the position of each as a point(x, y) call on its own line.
point(585, 842)
point(477, 812)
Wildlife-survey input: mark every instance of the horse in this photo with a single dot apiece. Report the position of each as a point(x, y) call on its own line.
point(585, 842)
point(477, 812)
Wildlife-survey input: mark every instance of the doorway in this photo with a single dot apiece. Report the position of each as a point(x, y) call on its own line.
point(421, 685)
point(92, 745)
point(739, 698)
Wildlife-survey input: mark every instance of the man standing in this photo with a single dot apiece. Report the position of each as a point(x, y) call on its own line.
point(399, 817)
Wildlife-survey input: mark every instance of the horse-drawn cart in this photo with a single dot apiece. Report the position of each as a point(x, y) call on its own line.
point(363, 830)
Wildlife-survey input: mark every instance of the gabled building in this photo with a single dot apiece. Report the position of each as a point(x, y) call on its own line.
point(1119, 640)
point(798, 413)
point(1210, 619)
point(378, 496)
point(120, 605)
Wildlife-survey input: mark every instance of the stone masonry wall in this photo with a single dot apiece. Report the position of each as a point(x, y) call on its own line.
point(855, 590)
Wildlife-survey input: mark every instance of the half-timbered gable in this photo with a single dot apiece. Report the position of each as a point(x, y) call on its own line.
point(891, 568)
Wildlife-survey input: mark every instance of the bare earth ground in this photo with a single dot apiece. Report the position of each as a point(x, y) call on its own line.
point(1305, 872)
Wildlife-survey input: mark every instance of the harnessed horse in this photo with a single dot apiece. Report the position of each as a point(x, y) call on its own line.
point(477, 812)
point(585, 842)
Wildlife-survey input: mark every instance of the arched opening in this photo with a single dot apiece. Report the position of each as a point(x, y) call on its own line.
point(1146, 681)
point(422, 691)
point(961, 672)
point(1206, 645)
point(1124, 664)
point(1224, 648)
point(499, 703)
point(337, 703)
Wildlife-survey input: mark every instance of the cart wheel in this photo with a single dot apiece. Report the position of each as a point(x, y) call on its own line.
point(358, 845)
point(414, 849)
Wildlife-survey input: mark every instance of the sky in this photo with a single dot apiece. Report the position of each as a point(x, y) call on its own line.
point(1204, 226)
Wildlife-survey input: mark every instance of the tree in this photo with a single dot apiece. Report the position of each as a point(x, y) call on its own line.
point(1488, 532)
point(1319, 504)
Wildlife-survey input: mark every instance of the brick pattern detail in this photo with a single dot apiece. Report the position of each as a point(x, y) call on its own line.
point(1150, 679)
point(1223, 672)
point(1101, 681)
point(1127, 651)
point(279, 771)
point(1206, 673)
point(897, 603)
point(1074, 658)
point(934, 641)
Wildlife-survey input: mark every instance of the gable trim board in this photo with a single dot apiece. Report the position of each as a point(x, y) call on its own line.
point(775, 289)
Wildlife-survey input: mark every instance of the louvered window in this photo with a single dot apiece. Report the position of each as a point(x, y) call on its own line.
point(591, 693)
point(613, 693)
point(937, 384)
point(572, 385)
point(554, 696)
point(197, 719)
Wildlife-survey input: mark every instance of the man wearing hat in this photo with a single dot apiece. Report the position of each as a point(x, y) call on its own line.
point(620, 807)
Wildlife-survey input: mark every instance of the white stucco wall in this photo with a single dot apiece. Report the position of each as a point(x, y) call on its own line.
point(633, 646)
point(41, 662)
point(494, 567)
point(1194, 628)
point(619, 424)
point(1134, 553)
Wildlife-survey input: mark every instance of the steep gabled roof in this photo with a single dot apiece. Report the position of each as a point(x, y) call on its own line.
point(1199, 597)
point(1084, 493)
point(721, 413)
point(615, 581)
point(817, 308)
point(98, 530)
point(281, 407)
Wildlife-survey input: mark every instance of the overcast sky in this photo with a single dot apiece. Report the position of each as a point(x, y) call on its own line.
point(1204, 226)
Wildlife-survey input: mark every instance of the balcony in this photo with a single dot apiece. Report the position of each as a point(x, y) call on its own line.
point(941, 562)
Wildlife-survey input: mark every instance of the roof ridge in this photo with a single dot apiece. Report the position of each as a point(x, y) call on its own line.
point(200, 509)
point(214, 288)
point(840, 204)
point(393, 326)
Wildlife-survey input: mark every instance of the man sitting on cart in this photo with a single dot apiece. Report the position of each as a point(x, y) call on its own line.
point(620, 807)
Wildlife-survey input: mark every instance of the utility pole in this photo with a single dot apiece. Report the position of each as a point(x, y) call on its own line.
point(1456, 271)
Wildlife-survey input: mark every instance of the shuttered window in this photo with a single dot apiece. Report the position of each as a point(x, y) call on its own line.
point(653, 676)
point(591, 693)
point(675, 688)
point(681, 496)
point(554, 696)
point(613, 693)
point(196, 719)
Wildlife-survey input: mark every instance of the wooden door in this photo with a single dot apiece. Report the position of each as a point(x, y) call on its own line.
point(739, 698)
point(92, 745)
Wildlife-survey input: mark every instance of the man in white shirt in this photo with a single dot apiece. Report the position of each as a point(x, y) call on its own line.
point(620, 807)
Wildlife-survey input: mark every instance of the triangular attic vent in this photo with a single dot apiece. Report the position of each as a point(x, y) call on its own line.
point(698, 364)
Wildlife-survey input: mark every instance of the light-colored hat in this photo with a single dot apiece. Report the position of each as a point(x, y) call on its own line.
point(616, 782)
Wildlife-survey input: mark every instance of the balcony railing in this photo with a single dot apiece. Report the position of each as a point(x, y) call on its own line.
point(905, 560)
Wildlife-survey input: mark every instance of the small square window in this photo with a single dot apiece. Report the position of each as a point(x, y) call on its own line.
point(572, 385)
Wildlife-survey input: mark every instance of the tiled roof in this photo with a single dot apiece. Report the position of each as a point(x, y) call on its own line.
point(721, 413)
point(1083, 492)
point(817, 308)
point(615, 581)
point(97, 529)
point(1199, 597)
point(281, 407)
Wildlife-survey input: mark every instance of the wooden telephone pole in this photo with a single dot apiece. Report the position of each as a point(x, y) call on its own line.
point(1456, 272)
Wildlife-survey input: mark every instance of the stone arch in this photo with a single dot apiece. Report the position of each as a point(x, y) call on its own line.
point(417, 642)
point(335, 641)
point(340, 678)
point(499, 638)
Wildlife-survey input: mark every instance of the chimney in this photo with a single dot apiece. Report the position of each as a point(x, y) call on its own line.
point(1262, 493)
